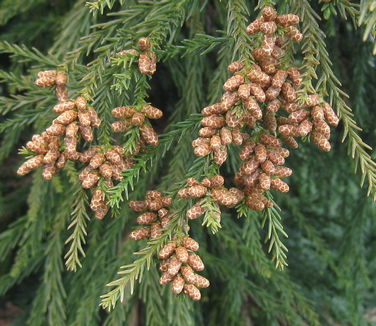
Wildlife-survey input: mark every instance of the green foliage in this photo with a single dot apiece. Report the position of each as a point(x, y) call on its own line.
point(135, 271)
point(328, 84)
point(328, 259)
point(102, 4)
point(367, 18)
point(10, 8)
point(143, 162)
point(212, 215)
point(79, 233)
point(24, 54)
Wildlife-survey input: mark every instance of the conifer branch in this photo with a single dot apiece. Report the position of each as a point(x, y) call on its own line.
point(190, 92)
point(78, 236)
point(25, 54)
point(265, 294)
point(51, 295)
point(272, 219)
point(9, 280)
point(104, 262)
point(10, 237)
point(134, 272)
point(200, 44)
point(16, 82)
point(152, 296)
point(157, 25)
point(121, 313)
point(156, 153)
point(212, 216)
point(31, 249)
point(75, 25)
point(8, 142)
point(316, 56)
point(309, 230)
point(345, 8)
point(237, 20)
point(101, 5)
point(22, 103)
point(245, 284)
point(367, 18)
point(250, 236)
point(239, 44)
point(264, 3)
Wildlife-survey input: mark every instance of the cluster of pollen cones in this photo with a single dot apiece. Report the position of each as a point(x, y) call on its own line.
point(261, 110)
point(179, 264)
point(155, 214)
point(58, 143)
point(76, 120)
point(147, 58)
point(130, 117)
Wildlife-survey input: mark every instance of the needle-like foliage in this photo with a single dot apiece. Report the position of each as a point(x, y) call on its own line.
point(308, 260)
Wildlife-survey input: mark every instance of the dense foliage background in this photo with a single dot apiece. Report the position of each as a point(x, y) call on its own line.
point(329, 220)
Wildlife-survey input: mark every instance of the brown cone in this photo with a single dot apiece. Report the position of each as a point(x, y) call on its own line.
point(190, 244)
point(140, 234)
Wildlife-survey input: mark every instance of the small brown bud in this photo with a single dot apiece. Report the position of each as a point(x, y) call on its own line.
point(86, 133)
point(152, 112)
point(321, 142)
point(66, 117)
point(177, 284)
point(96, 161)
point(144, 43)
point(235, 66)
point(269, 13)
point(279, 185)
point(105, 170)
point(330, 115)
point(190, 244)
point(287, 20)
point(188, 274)
point(195, 262)
point(195, 211)
point(201, 282)
point(30, 165)
point(63, 106)
point(149, 135)
point(167, 250)
point(192, 292)
point(202, 150)
point(155, 230)
point(138, 119)
point(181, 254)
point(254, 27)
point(233, 83)
point(137, 206)
point(94, 118)
point(294, 34)
point(268, 27)
point(140, 234)
point(120, 126)
point(269, 140)
point(81, 103)
point(84, 118)
point(91, 180)
point(123, 112)
point(147, 218)
point(165, 278)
